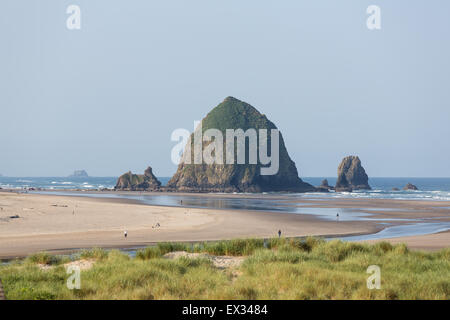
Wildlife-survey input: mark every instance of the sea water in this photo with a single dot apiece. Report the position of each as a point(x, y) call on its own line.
point(58, 183)
point(429, 188)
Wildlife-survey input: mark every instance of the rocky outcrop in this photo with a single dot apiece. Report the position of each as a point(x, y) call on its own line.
point(138, 182)
point(235, 114)
point(79, 174)
point(351, 175)
point(324, 186)
point(410, 186)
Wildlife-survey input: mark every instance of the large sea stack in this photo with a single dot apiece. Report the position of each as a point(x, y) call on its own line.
point(351, 175)
point(138, 182)
point(235, 114)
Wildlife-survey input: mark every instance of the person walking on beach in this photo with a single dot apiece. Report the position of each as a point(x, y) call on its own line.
point(279, 233)
point(337, 216)
point(125, 234)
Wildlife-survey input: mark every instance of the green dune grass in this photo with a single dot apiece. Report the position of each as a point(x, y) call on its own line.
point(277, 269)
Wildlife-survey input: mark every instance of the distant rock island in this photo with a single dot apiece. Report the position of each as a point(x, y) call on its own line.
point(235, 114)
point(410, 186)
point(351, 175)
point(138, 182)
point(79, 174)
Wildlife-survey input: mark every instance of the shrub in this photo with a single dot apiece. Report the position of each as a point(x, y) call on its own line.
point(382, 247)
point(44, 258)
point(95, 253)
point(166, 247)
point(337, 250)
point(149, 253)
point(401, 249)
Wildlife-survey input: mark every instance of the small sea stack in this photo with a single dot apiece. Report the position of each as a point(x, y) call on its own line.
point(138, 182)
point(351, 175)
point(410, 186)
point(324, 186)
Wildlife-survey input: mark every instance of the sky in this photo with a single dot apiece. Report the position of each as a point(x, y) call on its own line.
point(106, 98)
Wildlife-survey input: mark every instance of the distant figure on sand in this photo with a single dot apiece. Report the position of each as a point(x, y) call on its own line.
point(337, 216)
point(125, 234)
point(279, 233)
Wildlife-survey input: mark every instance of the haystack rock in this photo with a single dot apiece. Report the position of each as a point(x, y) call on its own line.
point(351, 175)
point(410, 186)
point(244, 177)
point(138, 182)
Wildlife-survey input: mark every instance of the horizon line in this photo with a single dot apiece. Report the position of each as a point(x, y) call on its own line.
point(301, 177)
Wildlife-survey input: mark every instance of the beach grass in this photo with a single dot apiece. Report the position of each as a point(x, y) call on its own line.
point(43, 258)
point(272, 269)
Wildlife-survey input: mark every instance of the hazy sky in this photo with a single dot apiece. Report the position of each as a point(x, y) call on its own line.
point(106, 98)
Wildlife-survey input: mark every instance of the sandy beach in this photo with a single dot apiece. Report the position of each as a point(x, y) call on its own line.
point(428, 242)
point(33, 222)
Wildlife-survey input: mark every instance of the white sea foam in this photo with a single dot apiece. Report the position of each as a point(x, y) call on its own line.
point(383, 194)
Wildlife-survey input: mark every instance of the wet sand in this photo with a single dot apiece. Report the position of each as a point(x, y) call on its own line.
point(428, 242)
point(64, 223)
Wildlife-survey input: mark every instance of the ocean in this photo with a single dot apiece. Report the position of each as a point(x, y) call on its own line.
point(429, 188)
